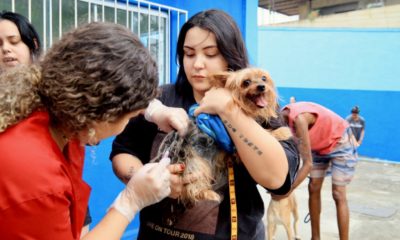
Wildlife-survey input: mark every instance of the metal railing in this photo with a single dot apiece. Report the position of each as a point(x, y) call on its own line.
point(152, 22)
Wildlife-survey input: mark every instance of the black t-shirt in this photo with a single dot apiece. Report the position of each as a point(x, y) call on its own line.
point(208, 219)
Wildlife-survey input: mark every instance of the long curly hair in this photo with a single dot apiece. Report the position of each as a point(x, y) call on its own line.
point(97, 72)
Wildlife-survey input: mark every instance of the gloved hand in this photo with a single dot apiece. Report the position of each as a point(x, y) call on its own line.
point(150, 184)
point(167, 118)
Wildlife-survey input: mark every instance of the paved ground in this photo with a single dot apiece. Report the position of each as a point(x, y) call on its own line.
point(374, 201)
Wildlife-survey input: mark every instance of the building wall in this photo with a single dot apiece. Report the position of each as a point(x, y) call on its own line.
point(340, 68)
point(382, 17)
point(244, 12)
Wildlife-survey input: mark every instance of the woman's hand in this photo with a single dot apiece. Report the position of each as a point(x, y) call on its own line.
point(150, 184)
point(178, 182)
point(215, 101)
point(167, 118)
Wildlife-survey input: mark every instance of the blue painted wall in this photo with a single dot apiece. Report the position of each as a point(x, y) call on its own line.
point(98, 171)
point(340, 68)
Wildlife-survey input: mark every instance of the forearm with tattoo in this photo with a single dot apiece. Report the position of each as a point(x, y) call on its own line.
point(243, 137)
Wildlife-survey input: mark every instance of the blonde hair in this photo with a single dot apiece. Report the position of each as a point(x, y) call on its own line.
point(19, 94)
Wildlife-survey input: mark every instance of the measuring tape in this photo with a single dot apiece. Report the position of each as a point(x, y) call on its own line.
point(232, 198)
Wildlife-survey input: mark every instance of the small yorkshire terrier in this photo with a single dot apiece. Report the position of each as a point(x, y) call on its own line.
point(254, 91)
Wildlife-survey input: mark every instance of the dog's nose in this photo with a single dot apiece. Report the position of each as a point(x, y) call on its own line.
point(260, 88)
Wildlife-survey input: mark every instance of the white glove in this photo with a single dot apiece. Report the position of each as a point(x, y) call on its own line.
point(150, 184)
point(167, 118)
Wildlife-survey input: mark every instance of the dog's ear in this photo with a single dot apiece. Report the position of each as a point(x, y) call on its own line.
point(272, 96)
point(219, 79)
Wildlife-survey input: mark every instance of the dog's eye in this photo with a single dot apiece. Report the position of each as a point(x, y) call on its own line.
point(246, 83)
point(264, 78)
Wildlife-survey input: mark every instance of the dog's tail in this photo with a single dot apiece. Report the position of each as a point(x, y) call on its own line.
point(282, 133)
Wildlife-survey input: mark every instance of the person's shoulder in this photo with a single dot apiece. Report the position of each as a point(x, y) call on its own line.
point(172, 98)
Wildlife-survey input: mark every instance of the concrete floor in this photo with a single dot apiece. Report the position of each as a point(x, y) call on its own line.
point(374, 202)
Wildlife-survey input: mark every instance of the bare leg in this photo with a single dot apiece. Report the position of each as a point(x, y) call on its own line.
point(314, 205)
point(342, 210)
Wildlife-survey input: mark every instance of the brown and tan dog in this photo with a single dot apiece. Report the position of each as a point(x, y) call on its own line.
point(280, 212)
point(254, 91)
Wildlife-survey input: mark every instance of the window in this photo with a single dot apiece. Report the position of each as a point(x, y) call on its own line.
point(150, 21)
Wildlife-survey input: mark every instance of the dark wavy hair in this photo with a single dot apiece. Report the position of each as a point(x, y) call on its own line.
point(97, 72)
point(229, 42)
point(28, 33)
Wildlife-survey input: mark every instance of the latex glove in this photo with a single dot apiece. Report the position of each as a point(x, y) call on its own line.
point(150, 184)
point(167, 118)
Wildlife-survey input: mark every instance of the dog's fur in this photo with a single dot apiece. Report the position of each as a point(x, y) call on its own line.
point(279, 212)
point(201, 157)
point(253, 90)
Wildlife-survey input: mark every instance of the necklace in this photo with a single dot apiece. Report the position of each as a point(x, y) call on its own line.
point(59, 137)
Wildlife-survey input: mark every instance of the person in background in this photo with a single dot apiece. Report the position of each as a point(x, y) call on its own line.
point(209, 41)
point(88, 86)
point(357, 124)
point(324, 140)
point(19, 41)
point(292, 99)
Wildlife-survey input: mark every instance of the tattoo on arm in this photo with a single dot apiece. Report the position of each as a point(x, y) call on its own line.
point(243, 138)
point(125, 178)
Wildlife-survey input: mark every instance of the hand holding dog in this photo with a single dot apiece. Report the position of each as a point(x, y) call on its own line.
point(215, 101)
point(177, 182)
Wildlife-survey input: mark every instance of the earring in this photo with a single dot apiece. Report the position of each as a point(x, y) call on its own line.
point(92, 137)
point(91, 132)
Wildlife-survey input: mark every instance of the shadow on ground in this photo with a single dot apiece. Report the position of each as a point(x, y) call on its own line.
point(374, 202)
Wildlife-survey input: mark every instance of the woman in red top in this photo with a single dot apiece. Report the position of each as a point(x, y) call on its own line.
point(89, 85)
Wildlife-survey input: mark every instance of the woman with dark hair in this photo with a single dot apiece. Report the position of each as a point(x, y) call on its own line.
point(88, 86)
point(209, 42)
point(19, 41)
